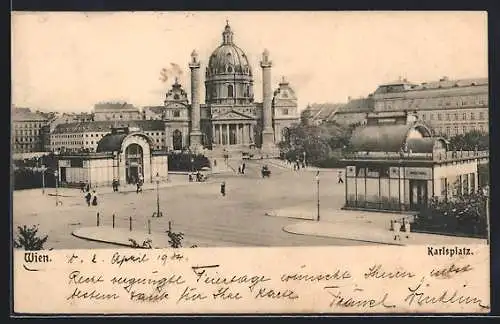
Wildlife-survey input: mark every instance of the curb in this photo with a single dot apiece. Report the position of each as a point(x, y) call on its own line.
point(99, 240)
point(342, 238)
point(189, 245)
point(291, 217)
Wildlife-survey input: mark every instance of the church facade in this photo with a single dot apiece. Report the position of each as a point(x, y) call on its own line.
point(229, 118)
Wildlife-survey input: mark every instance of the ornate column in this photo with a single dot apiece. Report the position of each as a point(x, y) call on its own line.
point(213, 134)
point(267, 97)
point(220, 133)
point(195, 134)
point(227, 134)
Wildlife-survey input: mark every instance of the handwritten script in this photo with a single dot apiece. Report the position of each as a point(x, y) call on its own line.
point(248, 280)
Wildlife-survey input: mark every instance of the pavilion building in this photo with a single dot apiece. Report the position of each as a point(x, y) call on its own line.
point(395, 164)
point(124, 154)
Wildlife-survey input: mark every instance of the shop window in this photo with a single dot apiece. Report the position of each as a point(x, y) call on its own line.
point(361, 172)
point(373, 172)
point(384, 172)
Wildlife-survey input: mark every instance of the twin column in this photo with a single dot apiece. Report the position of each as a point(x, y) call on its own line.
point(195, 134)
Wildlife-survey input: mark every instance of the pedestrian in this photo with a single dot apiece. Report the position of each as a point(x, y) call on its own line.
point(223, 188)
point(339, 176)
point(406, 226)
point(94, 198)
point(87, 187)
point(190, 177)
point(239, 169)
point(243, 166)
point(139, 187)
point(88, 197)
point(397, 229)
point(82, 186)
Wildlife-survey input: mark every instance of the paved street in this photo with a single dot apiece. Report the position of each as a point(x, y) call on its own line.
point(196, 209)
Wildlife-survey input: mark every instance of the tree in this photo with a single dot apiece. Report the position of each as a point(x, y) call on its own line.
point(470, 141)
point(320, 143)
point(28, 239)
point(174, 239)
point(460, 215)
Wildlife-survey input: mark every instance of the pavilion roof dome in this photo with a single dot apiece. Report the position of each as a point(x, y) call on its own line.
point(111, 143)
point(387, 138)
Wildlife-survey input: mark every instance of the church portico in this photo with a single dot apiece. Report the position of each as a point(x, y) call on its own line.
point(234, 132)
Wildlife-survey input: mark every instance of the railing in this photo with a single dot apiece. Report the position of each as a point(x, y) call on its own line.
point(444, 156)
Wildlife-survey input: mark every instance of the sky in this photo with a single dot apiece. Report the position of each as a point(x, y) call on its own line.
point(69, 61)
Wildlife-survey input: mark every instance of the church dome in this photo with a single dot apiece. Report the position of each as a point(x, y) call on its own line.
point(228, 58)
point(228, 76)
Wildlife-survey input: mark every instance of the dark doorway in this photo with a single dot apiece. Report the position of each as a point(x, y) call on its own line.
point(63, 174)
point(418, 194)
point(133, 162)
point(177, 140)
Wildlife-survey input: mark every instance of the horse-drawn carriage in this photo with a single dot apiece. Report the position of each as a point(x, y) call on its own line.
point(265, 171)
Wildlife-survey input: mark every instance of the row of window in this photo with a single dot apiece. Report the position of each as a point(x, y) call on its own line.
point(461, 129)
point(456, 116)
point(27, 125)
point(27, 139)
point(24, 147)
point(78, 135)
point(27, 132)
point(230, 91)
point(458, 186)
point(461, 101)
point(153, 134)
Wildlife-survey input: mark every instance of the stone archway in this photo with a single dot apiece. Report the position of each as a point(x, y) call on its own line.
point(134, 163)
point(135, 158)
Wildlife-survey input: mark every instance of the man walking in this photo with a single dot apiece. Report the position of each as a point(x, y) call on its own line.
point(339, 176)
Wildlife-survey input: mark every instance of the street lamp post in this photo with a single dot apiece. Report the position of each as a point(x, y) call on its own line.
point(487, 195)
point(317, 190)
point(42, 169)
point(56, 174)
point(158, 213)
point(43, 179)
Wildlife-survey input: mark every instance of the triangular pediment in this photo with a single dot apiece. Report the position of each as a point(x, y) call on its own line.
point(233, 115)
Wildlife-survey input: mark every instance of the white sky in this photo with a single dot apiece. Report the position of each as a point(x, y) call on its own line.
point(70, 61)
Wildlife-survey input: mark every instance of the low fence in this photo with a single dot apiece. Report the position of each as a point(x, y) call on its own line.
point(137, 224)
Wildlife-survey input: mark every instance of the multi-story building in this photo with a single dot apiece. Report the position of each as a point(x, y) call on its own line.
point(27, 131)
point(353, 112)
point(120, 111)
point(317, 113)
point(153, 112)
point(449, 107)
point(81, 137)
point(69, 118)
